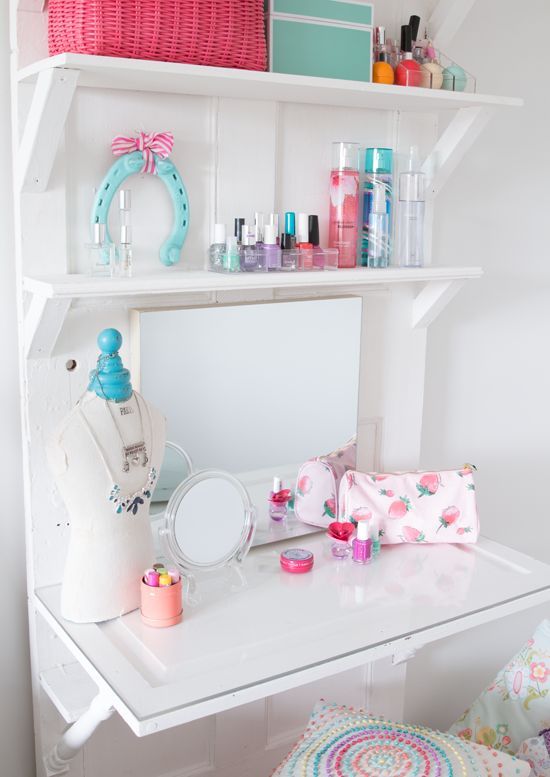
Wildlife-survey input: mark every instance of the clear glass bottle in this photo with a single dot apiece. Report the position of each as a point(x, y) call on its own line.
point(125, 252)
point(412, 207)
point(217, 249)
point(100, 253)
point(344, 202)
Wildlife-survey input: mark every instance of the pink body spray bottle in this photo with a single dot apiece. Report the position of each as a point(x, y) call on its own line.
point(344, 202)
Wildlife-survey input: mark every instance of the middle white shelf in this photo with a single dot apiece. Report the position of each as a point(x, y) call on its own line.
point(53, 295)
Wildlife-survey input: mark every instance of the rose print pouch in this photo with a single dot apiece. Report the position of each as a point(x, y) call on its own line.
point(317, 485)
point(414, 506)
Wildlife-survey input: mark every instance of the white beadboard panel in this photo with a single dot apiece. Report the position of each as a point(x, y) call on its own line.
point(246, 159)
point(97, 116)
point(240, 733)
point(178, 752)
point(306, 134)
point(288, 713)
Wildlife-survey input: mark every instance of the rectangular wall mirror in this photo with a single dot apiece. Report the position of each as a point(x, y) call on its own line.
point(254, 389)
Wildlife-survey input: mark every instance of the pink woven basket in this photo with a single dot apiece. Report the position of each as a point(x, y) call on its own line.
point(222, 33)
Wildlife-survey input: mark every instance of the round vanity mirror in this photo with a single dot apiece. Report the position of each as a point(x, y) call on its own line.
point(176, 467)
point(210, 521)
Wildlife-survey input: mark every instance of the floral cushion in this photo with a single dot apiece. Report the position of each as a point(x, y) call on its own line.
point(516, 705)
point(536, 751)
point(341, 742)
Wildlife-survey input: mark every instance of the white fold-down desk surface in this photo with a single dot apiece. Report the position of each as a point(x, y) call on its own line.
point(253, 634)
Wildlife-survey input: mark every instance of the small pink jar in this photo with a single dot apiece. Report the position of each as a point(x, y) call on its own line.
point(296, 560)
point(161, 607)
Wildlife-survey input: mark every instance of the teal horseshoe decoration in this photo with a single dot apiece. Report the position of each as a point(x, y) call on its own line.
point(130, 164)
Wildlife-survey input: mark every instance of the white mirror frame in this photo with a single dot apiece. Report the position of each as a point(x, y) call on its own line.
point(168, 533)
point(190, 469)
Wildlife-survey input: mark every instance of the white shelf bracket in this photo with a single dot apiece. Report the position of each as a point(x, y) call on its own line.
point(42, 326)
point(73, 740)
point(446, 20)
point(52, 98)
point(434, 297)
point(456, 140)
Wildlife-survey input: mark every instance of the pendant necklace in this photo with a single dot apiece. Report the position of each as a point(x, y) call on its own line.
point(135, 453)
point(129, 503)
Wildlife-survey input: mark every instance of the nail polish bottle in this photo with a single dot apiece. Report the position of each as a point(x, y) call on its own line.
point(270, 250)
point(239, 223)
point(278, 501)
point(274, 221)
point(313, 230)
point(411, 213)
point(290, 223)
point(303, 244)
point(362, 544)
point(407, 72)
point(248, 255)
point(375, 535)
point(231, 257)
point(217, 249)
point(288, 242)
point(259, 224)
point(344, 202)
point(382, 71)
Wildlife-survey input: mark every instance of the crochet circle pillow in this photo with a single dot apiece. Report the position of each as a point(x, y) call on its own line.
point(340, 742)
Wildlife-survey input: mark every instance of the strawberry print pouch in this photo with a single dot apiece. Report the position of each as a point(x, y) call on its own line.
point(318, 482)
point(414, 506)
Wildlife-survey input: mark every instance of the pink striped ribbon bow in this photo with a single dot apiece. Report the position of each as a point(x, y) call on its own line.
point(149, 143)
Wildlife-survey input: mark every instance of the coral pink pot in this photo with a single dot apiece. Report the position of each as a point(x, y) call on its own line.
point(161, 607)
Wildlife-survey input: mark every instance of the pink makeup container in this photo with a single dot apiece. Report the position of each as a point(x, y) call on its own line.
point(161, 607)
point(296, 560)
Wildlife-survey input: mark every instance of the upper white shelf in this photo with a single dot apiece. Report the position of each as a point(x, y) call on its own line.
point(175, 281)
point(144, 75)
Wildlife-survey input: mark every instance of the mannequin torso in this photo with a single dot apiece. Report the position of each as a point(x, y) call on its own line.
point(111, 541)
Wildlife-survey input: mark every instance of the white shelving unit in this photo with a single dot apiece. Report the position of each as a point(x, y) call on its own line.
point(137, 672)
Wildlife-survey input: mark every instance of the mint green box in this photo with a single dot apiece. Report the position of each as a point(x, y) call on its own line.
point(324, 38)
point(330, 10)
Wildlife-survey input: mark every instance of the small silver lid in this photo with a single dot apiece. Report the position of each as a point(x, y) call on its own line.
point(380, 36)
point(125, 199)
point(98, 235)
point(125, 234)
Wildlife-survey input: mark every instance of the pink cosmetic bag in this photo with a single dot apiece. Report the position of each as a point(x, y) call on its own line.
point(317, 485)
point(414, 506)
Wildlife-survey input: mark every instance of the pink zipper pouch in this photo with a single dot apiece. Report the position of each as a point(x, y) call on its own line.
point(316, 496)
point(414, 506)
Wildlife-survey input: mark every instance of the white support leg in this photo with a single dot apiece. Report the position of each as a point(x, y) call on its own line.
point(53, 95)
point(446, 19)
point(433, 298)
point(57, 761)
point(453, 144)
point(42, 326)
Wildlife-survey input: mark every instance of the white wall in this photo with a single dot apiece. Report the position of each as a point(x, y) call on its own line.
point(488, 377)
point(16, 729)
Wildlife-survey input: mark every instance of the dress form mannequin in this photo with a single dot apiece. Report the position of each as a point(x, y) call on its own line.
point(107, 490)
